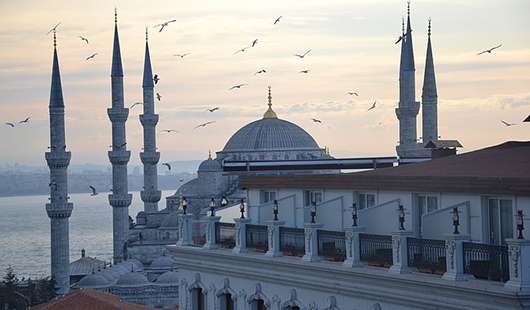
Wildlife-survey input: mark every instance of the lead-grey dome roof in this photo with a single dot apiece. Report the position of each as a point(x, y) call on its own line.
point(132, 279)
point(270, 134)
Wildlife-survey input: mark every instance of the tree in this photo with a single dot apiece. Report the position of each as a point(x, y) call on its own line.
point(8, 290)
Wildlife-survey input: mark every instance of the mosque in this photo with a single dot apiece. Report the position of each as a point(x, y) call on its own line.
point(142, 266)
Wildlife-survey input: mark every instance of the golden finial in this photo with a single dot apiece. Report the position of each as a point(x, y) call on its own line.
point(408, 8)
point(54, 39)
point(209, 154)
point(146, 34)
point(270, 113)
point(429, 32)
point(402, 25)
point(115, 15)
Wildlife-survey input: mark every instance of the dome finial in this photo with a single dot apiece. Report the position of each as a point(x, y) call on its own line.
point(270, 113)
point(408, 8)
point(429, 31)
point(209, 154)
point(146, 35)
point(402, 26)
point(54, 39)
point(115, 15)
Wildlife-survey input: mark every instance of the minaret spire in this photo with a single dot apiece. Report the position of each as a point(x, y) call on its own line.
point(120, 199)
point(150, 157)
point(429, 96)
point(58, 159)
point(270, 112)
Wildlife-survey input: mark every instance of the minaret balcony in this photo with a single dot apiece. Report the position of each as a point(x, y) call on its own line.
point(408, 110)
point(149, 119)
point(150, 196)
point(150, 158)
point(59, 210)
point(120, 201)
point(119, 157)
point(118, 115)
point(58, 159)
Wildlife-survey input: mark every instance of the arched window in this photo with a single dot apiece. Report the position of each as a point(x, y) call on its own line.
point(197, 297)
point(226, 301)
point(258, 304)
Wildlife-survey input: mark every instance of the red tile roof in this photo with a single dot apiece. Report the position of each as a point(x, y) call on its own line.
point(89, 299)
point(501, 169)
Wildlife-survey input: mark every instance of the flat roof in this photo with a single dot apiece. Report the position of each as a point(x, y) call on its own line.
point(500, 169)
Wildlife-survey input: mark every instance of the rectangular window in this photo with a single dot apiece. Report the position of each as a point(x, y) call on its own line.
point(312, 197)
point(500, 220)
point(366, 200)
point(267, 196)
point(426, 203)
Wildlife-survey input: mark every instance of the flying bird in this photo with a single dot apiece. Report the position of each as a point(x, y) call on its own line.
point(91, 56)
point(94, 192)
point(277, 20)
point(26, 120)
point(316, 120)
point(169, 130)
point(167, 165)
point(373, 106)
point(120, 146)
point(156, 78)
point(213, 110)
point(84, 39)
point(399, 40)
point(351, 93)
point(164, 24)
point(158, 97)
point(304, 71)
point(238, 86)
point(242, 50)
point(181, 55)
point(53, 29)
point(260, 71)
point(489, 50)
point(204, 124)
point(10, 124)
point(135, 104)
point(254, 42)
point(303, 55)
point(508, 124)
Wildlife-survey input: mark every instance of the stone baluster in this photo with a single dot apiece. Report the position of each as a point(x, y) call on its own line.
point(454, 258)
point(399, 251)
point(519, 257)
point(241, 235)
point(185, 230)
point(211, 231)
point(353, 246)
point(273, 229)
point(311, 242)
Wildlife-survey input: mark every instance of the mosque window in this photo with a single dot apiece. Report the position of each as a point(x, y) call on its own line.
point(198, 299)
point(226, 301)
point(258, 304)
point(366, 200)
point(266, 196)
point(312, 197)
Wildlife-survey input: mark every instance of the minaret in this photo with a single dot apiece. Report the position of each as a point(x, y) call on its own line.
point(59, 209)
point(429, 97)
point(150, 195)
point(120, 199)
point(408, 106)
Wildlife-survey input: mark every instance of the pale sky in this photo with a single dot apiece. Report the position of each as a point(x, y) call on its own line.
point(353, 49)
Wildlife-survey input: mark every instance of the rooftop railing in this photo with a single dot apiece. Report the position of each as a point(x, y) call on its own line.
point(225, 235)
point(486, 261)
point(376, 250)
point(331, 245)
point(292, 241)
point(257, 237)
point(427, 255)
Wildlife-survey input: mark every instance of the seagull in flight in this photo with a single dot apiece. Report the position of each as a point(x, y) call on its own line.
point(158, 97)
point(373, 106)
point(156, 78)
point(10, 124)
point(169, 130)
point(84, 39)
point(181, 55)
point(93, 189)
point(490, 50)
point(508, 124)
point(238, 86)
point(351, 93)
point(204, 124)
point(135, 104)
point(304, 71)
point(242, 50)
point(120, 146)
point(254, 42)
point(303, 55)
point(91, 56)
point(277, 20)
point(164, 24)
point(167, 165)
point(213, 110)
point(399, 40)
point(260, 71)
point(53, 29)
point(25, 121)
point(316, 120)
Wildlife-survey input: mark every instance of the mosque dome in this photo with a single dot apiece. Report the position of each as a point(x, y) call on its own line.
point(169, 277)
point(210, 165)
point(132, 279)
point(163, 262)
point(93, 281)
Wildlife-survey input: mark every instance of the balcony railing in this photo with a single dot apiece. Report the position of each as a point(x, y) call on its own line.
point(376, 250)
point(225, 234)
point(427, 255)
point(257, 237)
point(486, 261)
point(292, 241)
point(198, 234)
point(332, 245)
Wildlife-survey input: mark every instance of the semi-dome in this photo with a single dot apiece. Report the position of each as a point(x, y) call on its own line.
point(210, 165)
point(93, 281)
point(169, 277)
point(162, 262)
point(132, 279)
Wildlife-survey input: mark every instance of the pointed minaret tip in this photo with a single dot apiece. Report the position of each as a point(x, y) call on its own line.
point(115, 16)
point(148, 71)
point(117, 68)
point(429, 29)
point(270, 113)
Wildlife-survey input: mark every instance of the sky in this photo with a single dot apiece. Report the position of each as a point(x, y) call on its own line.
point(352, 49)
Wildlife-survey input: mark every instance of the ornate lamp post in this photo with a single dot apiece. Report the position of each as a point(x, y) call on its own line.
point(242, 208)
point(212, 207)
point(456, 220)
point(313, 212)
point(401, 217)
point(520, 224)
point(275, 209)
point(354, 214)
point(184, 204)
